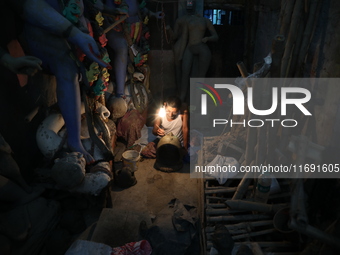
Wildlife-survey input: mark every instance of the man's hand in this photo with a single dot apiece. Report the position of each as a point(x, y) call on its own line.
point(22, 65)
point(149, 150)
point(160, 132)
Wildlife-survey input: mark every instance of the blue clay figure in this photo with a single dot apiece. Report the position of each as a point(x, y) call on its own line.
point(49, 35)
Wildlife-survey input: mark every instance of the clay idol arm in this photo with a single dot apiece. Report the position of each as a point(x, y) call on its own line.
point(41, 14)
point(214, 35)
point(21, 65)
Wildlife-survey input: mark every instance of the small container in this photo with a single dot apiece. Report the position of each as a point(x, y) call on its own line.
point(130, 159)
point(264, 182)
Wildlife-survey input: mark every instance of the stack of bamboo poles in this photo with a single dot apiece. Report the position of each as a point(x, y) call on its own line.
point(289, 49)
point(247, 222)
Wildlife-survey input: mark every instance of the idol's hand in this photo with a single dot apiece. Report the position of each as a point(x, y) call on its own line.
point(22, 65)
point(87, 44)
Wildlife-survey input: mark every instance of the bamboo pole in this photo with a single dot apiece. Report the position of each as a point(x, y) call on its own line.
point(263, 96)
point(306, 37)
point(240, 234)
point(215, 205)
point(217, 198)
point(251, 132)
point(243, 186)
point(297, 48)
point(287, 11)
point(220, 212)
point(242, 68)
point(261, 244)
point(258, 233)
point(225, 190)
point(243, 225)
point(291, 37)
point(277, 53)
point(238, 218)
point(232, 232)
point(254, 206)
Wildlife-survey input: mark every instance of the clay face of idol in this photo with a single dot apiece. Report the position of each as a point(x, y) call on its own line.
point(99, 19)
point(105, 74)
point(102, 40)
point(93, 72)
point(72, 11)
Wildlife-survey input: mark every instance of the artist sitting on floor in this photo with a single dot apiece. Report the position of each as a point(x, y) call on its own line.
point(175, 121)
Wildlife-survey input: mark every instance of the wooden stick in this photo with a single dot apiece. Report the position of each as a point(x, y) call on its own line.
point(242, 68)
point(124, 17)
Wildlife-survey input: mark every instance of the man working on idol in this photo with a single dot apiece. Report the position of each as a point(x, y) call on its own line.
point(175, 120)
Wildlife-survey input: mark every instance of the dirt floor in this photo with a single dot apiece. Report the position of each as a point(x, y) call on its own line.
point(143, 201)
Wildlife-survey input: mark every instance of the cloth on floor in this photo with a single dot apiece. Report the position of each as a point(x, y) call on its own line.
point(84, 247)
point(129, 127)
point(135, 248)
